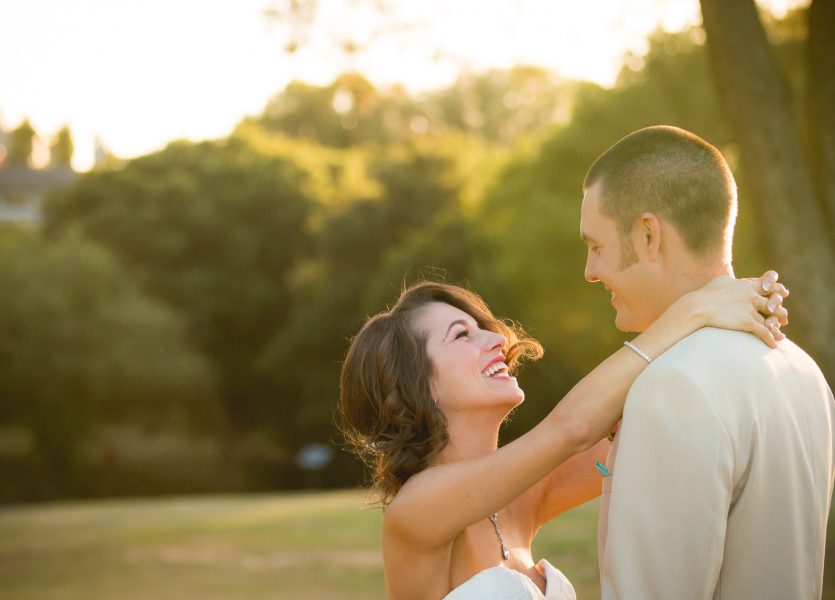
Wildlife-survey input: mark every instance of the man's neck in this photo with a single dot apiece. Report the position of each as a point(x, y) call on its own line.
point(682, 281)
point(696, 276)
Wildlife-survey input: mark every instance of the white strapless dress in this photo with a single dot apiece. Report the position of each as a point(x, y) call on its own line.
point(501, 583)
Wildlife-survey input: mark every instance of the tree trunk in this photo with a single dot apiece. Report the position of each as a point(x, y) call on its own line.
point(820, 102)
point(757, 102)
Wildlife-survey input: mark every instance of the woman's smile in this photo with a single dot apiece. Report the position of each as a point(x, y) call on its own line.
point(457, 345)
point(497, 370)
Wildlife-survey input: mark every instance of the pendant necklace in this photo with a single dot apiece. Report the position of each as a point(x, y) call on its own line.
point(494, 520)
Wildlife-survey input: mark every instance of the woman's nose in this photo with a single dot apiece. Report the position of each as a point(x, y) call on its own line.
point(495, 340)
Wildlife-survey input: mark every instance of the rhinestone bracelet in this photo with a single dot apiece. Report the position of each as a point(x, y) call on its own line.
point(640, 352)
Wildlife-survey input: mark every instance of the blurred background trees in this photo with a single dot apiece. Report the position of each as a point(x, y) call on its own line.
point(787, 147)
point(207, 292)
point(21, 141)
point(61, 149)
point(81, 346)
point(213, 230)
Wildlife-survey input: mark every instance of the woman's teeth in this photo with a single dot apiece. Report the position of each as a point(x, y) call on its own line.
point(495, 368)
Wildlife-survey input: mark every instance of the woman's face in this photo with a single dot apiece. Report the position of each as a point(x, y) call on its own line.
point(468, 368)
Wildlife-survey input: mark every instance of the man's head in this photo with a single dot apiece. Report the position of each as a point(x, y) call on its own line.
point(658, 214)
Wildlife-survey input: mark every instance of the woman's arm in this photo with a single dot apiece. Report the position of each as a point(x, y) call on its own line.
point(724, 302)
point(436, 504)
point(576, 480)
point(571, 484)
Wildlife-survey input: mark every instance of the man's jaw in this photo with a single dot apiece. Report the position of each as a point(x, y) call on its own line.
point(628, 321)
point(624, 318)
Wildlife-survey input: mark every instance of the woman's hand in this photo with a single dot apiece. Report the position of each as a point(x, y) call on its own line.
point(754, 305)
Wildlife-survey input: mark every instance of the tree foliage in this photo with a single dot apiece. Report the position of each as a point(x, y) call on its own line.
point(274, 245)
point(61, 149)
point(364, 252)
point(497, 105)
point(791, 172)
point(80, 345)
point(211, 229)
point(21, 142)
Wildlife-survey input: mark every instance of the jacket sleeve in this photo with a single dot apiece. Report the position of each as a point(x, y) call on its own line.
point(671, 492)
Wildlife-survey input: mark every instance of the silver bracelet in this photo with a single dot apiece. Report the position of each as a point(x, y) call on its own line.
point(640, 352)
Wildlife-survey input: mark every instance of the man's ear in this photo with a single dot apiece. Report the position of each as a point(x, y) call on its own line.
point(648, 234)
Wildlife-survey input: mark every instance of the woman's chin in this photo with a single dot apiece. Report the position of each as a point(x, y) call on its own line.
point(516, 398)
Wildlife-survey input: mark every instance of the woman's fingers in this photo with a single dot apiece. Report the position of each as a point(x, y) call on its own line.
point(765, 333)
point(768, 280)
point(769, 284)
point(772, 305)
point(779, 288)
point(767, 322)
point(782, 316)
point(746, 305)
point(773, 324)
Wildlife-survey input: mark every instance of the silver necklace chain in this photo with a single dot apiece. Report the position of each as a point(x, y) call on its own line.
point(494, 519)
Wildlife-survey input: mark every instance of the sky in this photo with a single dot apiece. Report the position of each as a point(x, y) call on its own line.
point(136, 74)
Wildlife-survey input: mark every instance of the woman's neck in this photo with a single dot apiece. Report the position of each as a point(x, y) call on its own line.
point(471, 435)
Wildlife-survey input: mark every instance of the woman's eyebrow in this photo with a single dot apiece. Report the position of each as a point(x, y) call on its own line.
point(453, 324)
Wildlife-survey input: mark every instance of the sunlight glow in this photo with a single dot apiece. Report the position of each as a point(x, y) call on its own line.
point(139, 74)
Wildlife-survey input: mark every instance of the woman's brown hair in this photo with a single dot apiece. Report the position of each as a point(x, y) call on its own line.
point(389, 416)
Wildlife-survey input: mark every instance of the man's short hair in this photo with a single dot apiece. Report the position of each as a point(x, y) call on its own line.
point(673, 174)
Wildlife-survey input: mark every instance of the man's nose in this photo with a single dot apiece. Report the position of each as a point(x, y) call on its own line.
point(590, 272)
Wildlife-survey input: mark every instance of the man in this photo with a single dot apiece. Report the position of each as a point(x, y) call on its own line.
point(720, 477)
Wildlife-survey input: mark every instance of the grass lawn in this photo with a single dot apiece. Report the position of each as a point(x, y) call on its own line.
point(299, 546)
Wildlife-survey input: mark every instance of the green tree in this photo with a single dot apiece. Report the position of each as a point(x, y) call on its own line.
point(61, 149)
point(787, 151)
point(498, 106)
point(501, 105)
point(363, 252)
point(213, 230)
point(347, 112)
point(21, 141)
point(80, 345)
point(533, 265)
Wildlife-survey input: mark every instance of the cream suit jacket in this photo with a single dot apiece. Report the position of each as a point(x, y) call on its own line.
point(721, 475)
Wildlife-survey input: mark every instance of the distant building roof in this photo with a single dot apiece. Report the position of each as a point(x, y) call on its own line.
point(23, 213)
point(22, 188)
point(23, 179)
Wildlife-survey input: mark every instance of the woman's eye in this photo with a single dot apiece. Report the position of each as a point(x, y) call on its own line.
point(462, 333)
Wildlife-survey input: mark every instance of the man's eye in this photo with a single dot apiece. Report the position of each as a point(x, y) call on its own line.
point(462, 333)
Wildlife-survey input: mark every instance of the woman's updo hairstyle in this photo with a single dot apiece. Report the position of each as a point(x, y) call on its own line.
point(389, 416)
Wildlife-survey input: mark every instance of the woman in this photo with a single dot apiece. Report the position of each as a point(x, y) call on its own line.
point(425, 388)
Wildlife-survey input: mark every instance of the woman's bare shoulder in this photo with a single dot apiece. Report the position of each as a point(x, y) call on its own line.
point(416, 565)
point(417, 490)
point(412, 518)
point(407, 507)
